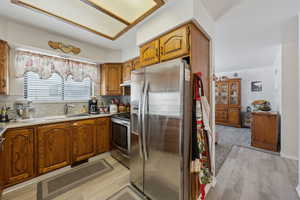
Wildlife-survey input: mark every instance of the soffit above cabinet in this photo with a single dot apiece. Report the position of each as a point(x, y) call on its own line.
point(107, 18)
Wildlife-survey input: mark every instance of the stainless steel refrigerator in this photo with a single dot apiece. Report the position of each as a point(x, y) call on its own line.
point(160, 130)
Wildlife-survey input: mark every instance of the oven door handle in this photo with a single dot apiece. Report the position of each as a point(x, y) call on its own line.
point(140, 126)
point(143, 120)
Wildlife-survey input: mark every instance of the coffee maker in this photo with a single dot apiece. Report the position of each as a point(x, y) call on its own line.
point(93, 106)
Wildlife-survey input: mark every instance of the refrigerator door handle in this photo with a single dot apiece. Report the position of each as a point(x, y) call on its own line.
point(140, 126)
point(143, 120)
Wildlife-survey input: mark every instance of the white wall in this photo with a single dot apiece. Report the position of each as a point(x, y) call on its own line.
point(290, 89)
point(19, 35)
point(170, 16)
point(130, 53)
point(266, 75)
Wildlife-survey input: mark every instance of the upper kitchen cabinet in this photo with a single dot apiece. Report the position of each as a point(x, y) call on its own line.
point(175, 44)
point(111, 78)
point(19, 156)
point(136, 63)
point(149, 53)
point(4, 62)
point(54, 147)
point(127, 68)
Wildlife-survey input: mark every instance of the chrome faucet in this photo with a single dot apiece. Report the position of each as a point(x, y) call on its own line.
point(67, 107)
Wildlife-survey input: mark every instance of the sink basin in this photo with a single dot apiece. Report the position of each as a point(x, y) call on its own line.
point(79, 115)
point(55, 117)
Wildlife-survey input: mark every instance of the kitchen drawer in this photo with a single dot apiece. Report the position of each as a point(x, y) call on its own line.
point(221, 115)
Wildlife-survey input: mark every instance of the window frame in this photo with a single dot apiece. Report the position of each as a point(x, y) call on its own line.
point(25, 93)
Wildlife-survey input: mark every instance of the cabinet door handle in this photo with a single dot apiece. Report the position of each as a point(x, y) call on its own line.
point(157, 52)
point(161, 50)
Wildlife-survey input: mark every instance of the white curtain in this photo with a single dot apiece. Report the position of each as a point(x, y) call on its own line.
point(46, 65)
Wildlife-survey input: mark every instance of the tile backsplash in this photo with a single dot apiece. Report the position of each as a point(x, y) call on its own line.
point(44, 109)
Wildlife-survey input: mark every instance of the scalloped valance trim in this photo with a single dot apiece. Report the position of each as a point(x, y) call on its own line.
point(45, 66)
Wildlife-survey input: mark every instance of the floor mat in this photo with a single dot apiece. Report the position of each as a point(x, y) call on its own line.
point(126, 193)
point(59, 184)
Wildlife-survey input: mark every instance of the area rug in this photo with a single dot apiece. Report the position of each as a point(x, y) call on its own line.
point(50, 188)
point(251, 174)
point(126, 193)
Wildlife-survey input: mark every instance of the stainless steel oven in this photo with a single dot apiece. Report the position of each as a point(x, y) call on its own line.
point(121, 138)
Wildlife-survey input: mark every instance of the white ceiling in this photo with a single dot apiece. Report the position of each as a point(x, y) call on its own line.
point(249, 34)
point(51, 24)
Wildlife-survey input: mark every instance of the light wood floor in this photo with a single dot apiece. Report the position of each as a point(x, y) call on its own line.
point(248, 174)
point(96, 189)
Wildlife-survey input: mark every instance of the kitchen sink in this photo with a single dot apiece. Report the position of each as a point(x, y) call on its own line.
point(78, 115)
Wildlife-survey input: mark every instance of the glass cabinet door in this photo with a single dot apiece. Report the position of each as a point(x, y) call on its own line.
point(222, 93)
point(234, 93)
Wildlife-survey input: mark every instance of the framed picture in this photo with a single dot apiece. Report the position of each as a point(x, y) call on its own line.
point(256, 86)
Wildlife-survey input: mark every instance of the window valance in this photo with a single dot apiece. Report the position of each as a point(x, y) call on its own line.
point(45, 66)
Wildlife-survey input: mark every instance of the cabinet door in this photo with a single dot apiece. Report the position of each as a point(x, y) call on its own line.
point(111, 78)
point(234, 116)
point(149, 53)
point(234, 93)
point(19, 156)
point(174, 44)
point(1, 169)
point(4, 60)
point(54, 147)
point(127, 68)
point(103, 135)
point(84, 140)
point(136, 64)
point(264, 131)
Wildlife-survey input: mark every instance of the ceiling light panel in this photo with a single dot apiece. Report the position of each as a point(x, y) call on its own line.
point(107, 18)
point(128, 10)
point(78, 13)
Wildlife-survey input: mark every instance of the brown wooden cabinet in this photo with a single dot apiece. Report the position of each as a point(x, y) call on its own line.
point(1, 169)
point(4, 62)
point(265, 130)
point(149, 53)
point(127, 68)
point(136, 63)
point(111, 78)
point(84, 139)
point(175, 44)
point(103, 136)
point(19, 156)
point(228, 102)
point(54, 147)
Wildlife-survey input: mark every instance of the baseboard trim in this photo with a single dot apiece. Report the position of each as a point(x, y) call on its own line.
point(288, 156)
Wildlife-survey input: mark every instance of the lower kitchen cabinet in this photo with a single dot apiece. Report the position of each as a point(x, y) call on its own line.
point(28, 152)
point(19, 156)
point(84, 139)
point(54, 147)
point(103, 135)
point(1, 169)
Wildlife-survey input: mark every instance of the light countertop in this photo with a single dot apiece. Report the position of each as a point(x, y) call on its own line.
point(45, 120)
